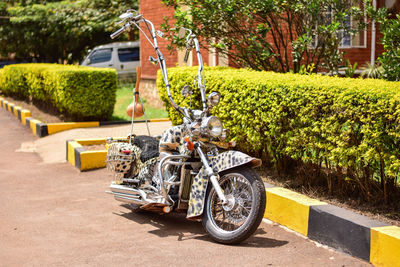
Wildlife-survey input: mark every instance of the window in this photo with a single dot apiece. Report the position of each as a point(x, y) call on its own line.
point(352, 40)
point(101, 55)
point(344, 37)
point(347, 39)
point(128, 54)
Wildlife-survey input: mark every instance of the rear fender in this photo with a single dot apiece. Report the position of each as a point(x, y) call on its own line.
point(224, 161)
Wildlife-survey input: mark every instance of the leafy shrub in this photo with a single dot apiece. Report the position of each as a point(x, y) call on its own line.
point(14, 82)
point(345, 126)
point(390, 59)
point(79, 93)
point(350, 69)
point(1, 80)
point(372, 71)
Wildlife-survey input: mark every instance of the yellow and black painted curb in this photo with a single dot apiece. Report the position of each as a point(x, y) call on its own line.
point(83, 159)
point(357, 235)
point(41, 129)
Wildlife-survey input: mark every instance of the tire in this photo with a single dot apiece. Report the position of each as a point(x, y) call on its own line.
point(148, 145)
point(243, 221)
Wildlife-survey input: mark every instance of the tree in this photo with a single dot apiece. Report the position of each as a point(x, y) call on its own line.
point(57, 31)
point(278, 35)
point(390, 58)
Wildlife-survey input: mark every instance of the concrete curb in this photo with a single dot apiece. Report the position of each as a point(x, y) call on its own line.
point(344, 230)
point(83, 159)
point(43, 129)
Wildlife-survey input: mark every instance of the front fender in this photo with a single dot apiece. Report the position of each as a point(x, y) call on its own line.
point(224, 161)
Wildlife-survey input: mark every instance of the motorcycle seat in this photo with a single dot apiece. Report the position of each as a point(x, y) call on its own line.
point(149, 146)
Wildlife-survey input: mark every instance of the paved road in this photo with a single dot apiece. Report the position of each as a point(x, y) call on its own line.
point(52, 215)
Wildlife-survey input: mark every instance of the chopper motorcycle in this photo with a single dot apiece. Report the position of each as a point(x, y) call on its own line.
point(191, 167)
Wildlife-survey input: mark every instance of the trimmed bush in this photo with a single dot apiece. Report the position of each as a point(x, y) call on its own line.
point(1, 79)
point(345, 126)
point(79, 93)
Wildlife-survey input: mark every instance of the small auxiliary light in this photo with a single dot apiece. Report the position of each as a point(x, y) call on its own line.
point(189, 144)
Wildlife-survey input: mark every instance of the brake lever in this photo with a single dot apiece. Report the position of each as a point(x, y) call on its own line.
point(153, 60)
point(160, 34)
point(185, 59)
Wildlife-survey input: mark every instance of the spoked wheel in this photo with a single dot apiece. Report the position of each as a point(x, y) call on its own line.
point(239, 218)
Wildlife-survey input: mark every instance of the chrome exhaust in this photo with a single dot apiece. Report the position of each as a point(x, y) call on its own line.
point(129, 195)
point(139, 197)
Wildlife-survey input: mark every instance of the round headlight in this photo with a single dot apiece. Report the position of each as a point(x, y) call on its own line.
point(213, 98)
point(215, 127)
point(212, 126)
point(224, 134)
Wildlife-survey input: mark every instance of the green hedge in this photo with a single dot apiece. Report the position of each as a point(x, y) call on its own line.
point(79, 93)
point(341, 125)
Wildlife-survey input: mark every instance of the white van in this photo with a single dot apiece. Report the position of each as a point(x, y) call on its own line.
point(122, 56)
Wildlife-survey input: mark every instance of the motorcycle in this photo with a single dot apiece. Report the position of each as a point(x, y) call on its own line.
point(191, 168)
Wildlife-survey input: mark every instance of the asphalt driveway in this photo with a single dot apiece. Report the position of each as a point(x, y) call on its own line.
point(53, 215)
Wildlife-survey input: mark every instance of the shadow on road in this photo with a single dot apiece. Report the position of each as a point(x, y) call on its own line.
point(176, 224)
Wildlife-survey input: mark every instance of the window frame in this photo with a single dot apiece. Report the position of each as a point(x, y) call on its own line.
point(364, 32)
point(341, 46)
point(128, 48)
point(98, 50)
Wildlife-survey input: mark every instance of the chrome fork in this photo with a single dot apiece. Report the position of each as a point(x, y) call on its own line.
point(210, 173)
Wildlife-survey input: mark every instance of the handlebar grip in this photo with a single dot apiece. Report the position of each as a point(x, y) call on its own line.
point(185, 59)
point(117, 33)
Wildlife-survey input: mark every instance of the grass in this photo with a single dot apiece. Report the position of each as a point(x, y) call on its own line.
point(125, 98)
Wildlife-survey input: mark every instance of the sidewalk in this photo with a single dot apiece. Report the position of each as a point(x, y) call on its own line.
point(52, 148)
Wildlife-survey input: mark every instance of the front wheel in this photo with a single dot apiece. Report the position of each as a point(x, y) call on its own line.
point(236, 221)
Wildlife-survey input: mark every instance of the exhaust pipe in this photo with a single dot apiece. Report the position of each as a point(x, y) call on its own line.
point(139, 197)
point(128, 195)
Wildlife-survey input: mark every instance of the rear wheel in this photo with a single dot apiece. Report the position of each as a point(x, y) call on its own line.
point(236, 221)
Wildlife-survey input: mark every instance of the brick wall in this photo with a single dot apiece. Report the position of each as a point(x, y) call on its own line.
point(363, 55)
point(154, 11)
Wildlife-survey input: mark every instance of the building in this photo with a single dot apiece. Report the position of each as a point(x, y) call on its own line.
point(155, 11)
point(363, 48)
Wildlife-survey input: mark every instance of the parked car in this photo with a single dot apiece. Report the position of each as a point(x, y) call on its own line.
point(5, 63)
point(122, 56)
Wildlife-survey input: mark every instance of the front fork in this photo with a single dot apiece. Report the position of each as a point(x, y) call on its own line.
point(210, 173)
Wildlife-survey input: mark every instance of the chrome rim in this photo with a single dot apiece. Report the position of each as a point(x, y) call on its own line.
point(232, 216)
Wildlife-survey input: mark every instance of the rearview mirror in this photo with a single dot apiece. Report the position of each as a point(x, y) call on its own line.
point(214, 98)
point(187, 90)
point(182, 32)
point(126, 15)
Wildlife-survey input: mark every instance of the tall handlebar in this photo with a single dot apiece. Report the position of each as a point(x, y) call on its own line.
point(134, 21)
point(120, 31)
point(127, 25)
